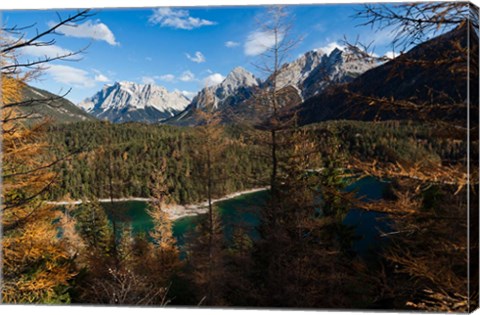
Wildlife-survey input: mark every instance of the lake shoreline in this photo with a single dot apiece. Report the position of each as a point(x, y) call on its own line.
point(175, 212)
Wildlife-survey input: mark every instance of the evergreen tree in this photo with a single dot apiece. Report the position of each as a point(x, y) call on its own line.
point(95, 227)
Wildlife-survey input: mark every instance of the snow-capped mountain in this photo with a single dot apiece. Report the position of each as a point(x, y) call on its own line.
point(236, 87)
point(128, 101)
point(340, 66)
point(312, 72)
point(308, 75)
point(295, 72)
point(430, 87)
point(300, 79)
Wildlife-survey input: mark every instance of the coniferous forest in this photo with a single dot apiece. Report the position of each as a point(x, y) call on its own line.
point(354, 186)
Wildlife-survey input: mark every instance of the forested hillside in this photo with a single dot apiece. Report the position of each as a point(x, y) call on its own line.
point(130, 153)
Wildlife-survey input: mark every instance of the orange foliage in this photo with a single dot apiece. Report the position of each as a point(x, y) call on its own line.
point(35, 262)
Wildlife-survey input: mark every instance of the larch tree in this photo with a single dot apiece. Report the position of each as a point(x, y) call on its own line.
point(206, 253)
point(434, 251)
point(36, 266)
point(140, 270)
point(304, 254)
point(303, 246)
point(166, 258)
point(276, 25)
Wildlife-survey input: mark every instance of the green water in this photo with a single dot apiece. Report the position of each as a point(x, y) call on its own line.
point(232, 212)
point(135, 214)
point(368, 225)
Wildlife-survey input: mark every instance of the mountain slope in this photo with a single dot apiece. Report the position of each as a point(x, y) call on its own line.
point(339, 66)
point(309, 74)
point(127, 101)
point(297, 71)
point(238, 86)
point(41, 104)
point(431, 74)
point(315, 70)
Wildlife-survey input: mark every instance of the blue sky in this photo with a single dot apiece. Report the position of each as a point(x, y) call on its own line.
point(179, 48)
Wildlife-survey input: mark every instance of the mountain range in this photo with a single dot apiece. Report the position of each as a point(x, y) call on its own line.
point(429, 81)
point(128, 101)
point(318, 85)
point(300, 79)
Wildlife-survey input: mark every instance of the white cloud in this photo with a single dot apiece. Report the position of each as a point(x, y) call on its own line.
point(188, 94)
point(391, 54)
point(71, 76)
point(148, 80)
point(94, 30)
point(331, 47)
point(101, 78)
point(187, 76)
point(213, 79)
point(259, 42)
point(178, 19)
point(50, 51)
point(167, 77)
point(231, 44)
point(198, 57)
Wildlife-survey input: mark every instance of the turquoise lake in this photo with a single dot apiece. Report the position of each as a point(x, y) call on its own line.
point(367, 225)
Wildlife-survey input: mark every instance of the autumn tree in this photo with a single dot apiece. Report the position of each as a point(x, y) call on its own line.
point(135, 277)
point(277, 24)
point(74, 243)
point(303, 244)
point(434, 251)
point(36, 265)
point(31, 250)
point(166, 258)
point(206, 251)
point(304, 252)
point(139, 270)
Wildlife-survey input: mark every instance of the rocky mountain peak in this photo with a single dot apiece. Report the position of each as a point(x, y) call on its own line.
point(339, 66)
point(234, 88)
point(240, 77)
point(305, 76)
point(295, 72)
point(124, 100)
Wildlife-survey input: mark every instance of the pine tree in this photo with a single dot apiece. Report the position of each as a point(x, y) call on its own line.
point(95, 227)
